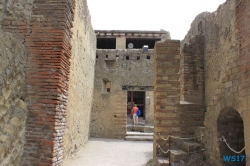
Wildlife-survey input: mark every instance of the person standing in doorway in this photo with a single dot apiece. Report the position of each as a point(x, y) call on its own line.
point(134, 112)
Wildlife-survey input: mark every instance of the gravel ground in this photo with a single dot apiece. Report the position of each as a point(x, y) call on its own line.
point(112, 152)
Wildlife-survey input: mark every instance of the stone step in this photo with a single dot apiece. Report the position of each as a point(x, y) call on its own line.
point(161, 161)
point(191, 146)
point(178, 155)
point(146, 129)
point(139, 123)
point(139, 138)
point(138, 134)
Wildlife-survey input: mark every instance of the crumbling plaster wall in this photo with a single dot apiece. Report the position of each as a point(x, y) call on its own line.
point(109, 112)
point(81, 83)
point(221, 69)
point(13, 110)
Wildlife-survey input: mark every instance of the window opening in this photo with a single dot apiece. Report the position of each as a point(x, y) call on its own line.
point(148, 57)
point(106, 85)
point(138, 57)
point(127, 57)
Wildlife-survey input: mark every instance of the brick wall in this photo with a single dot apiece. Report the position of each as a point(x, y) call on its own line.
point(46, 36)
point(170, 117)
point(222, 75)
point(192, 70)
point(243, 24)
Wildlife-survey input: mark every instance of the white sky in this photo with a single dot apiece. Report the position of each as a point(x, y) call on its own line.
point(174, 16)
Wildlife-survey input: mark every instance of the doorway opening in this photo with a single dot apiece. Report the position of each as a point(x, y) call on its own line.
point(230, 126)
point(136, 97)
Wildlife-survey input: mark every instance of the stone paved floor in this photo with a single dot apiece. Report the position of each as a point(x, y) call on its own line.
point(112, 152)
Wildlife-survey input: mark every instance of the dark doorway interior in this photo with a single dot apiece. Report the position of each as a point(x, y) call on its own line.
point(136, 97)
point(230, 126)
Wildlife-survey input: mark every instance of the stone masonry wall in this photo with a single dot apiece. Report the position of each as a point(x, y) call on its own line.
point(13, 110)
point(44, 29)
point(149, 108)
point(120, 67)
point(222, 76)
point(243, 24)
point(170, 117)
point(81, 80)
point(192, 70)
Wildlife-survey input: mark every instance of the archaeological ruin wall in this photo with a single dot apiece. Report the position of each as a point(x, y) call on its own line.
point(171, 117)
point(120, 67)
point(13, 109)
point(225, 39)
point(116, 69)
point(39, 79)
point(81, 83)
point(243, 24)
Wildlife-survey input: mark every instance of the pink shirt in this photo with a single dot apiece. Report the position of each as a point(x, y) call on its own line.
point(135, 109)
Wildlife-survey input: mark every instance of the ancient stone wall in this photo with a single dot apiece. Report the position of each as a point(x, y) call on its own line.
point(149, 108)
point(171, 117)
point(123, 67)
point(222, 74)
point(192, 70)
point(243, 24)
point(13, 110)
point(44, 29)
point(81, 80)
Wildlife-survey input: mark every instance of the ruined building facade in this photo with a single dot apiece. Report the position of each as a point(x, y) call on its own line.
point(123, 77)
point(60, 83)
point(214, 70)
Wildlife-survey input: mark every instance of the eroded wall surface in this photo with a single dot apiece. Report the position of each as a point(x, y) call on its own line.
point(81, 83)
point(13, 110)
point(120, 67)
point(222, 64)
point(171, 117)
point(243, 24)
point(39, 97)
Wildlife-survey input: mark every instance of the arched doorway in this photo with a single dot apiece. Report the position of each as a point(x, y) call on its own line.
point(231, 129)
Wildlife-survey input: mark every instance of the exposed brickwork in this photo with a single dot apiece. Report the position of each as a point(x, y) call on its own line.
point(170, 117)
point(223, 76)
point(46, 35)
point(243, 21)
point(192, 70)
point(243, 24)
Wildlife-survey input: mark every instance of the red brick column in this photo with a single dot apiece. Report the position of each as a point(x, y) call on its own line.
point(47, 40)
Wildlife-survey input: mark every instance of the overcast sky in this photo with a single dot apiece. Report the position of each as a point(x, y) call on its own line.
point(174, 16)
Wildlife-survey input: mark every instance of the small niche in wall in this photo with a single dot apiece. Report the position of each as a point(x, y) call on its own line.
point(138, 57)
point(107, 56)
point(106, 86)
point(148, 57)
point(127, 57)
point(96, 56)
point(117, 56)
